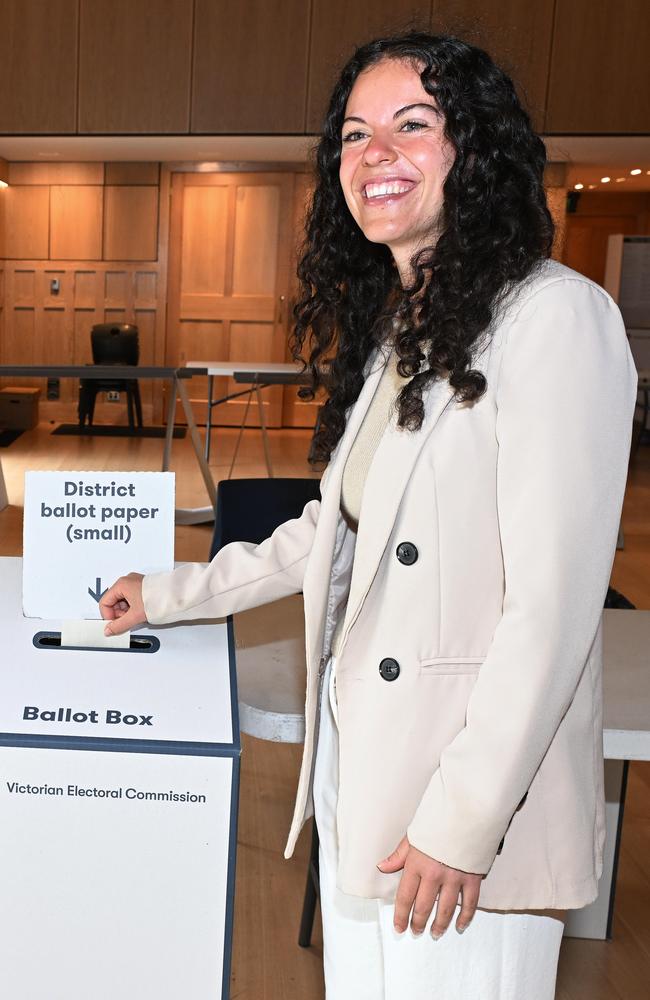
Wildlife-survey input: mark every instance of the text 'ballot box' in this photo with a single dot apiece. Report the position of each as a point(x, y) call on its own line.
point(119, 778)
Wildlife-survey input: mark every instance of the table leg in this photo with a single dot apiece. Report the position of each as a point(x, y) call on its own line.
point(208, 424)
point(595, 920)
point(265, 439)
point(239, 436)
point(169, 426)
point(197, 443)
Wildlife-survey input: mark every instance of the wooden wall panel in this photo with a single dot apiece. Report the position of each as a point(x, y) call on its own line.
point(146, 289)
point(133, 173)
point(85, 289)
point(56, 228)
point(523, 50)
point(118, 290)
point(145, 320)
point(130, 223)
point(3, 202)
point(134, 66)
point(599, 67)
point(18, 343)
point(54, 338)
point(27, 222)
point(41, 328)
point(56, 173)
point(50, 299)
point(599, 215)
point(38, 66)
point(76, 222)
point(83, 321)
point(250, 66)
point(338, 26)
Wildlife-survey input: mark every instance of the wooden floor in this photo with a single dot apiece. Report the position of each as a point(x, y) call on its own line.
point(267, 963)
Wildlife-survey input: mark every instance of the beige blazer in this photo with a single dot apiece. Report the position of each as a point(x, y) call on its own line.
point(491, 731)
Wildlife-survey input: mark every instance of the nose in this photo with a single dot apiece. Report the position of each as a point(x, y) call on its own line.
point(379, 150)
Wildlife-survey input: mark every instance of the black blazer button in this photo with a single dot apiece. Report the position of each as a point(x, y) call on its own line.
point(389, 669)
point(407, 553)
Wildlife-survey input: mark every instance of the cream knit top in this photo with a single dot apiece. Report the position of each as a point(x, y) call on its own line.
point(362, 452)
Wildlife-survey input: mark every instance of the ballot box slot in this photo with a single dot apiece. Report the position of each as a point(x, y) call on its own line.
point(138, 644)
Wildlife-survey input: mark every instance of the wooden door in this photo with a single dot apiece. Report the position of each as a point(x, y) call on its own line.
point(230, 251)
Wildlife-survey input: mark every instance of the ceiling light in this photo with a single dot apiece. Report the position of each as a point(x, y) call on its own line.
point(619, 179)
point(637, 170)
point(605, 180)
point(592, 186)
point(3, 184)
point(578, 187)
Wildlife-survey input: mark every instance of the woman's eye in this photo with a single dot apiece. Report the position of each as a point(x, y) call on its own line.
point(412, 126)
point(353, 136)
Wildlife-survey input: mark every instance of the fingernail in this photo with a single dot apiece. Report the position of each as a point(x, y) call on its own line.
point(461, 930)
point(435, 935)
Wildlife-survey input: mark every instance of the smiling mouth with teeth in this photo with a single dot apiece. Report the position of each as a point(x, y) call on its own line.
point(381, 190)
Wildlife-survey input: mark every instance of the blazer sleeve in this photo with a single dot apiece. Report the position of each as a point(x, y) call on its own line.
point(241, 575)
point(565, 399)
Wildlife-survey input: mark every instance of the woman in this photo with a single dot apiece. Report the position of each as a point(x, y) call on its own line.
point(477, 431)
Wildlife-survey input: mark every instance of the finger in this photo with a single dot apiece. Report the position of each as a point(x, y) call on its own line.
point(469, 893)
point(123, 623)
point(406, 893)
point(113, 596)
point(116, 611)
point(447, 902)
point(423, 905)
point(395, 861)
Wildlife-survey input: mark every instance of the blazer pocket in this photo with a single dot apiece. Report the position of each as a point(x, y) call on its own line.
point(450, 665)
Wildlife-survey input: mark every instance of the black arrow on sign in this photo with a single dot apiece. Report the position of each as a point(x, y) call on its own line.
point(97, 593)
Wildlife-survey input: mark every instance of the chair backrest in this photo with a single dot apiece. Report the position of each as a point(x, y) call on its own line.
point(115, 344)
point(249, 510)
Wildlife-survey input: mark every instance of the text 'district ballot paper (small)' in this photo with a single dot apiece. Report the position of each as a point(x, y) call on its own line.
point(83, 530)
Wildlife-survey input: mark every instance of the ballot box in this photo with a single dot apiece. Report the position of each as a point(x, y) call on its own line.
point(119, 776)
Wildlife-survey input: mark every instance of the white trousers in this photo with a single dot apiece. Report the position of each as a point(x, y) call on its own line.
point(501, 956)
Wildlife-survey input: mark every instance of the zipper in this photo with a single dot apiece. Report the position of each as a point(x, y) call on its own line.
point(321, 678)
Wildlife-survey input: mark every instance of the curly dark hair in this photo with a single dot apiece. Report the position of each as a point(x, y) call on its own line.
point(494, 230)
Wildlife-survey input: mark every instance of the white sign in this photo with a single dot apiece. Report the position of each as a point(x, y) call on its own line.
point(83, 530)
point(114, 870)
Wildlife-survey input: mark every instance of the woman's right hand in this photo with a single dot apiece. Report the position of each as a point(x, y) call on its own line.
point(122, 605)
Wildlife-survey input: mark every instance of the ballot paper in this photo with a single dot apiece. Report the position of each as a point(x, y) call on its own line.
point(83, 530)
point(89, 634)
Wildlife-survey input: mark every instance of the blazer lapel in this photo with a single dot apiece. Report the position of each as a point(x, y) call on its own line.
point(317, 573)
point(387, 480)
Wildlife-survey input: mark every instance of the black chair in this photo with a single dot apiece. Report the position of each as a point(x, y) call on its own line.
point(249, 510)
point(112, 344)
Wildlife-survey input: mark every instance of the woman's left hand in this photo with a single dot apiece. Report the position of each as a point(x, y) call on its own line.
point(425, 880)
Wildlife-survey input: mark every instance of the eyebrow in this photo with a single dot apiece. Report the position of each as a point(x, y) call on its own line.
point(402, 111)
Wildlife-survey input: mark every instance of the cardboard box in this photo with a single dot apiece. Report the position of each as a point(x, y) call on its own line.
point(19, 408)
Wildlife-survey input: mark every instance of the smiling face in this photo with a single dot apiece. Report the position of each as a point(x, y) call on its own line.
point(394, 159)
